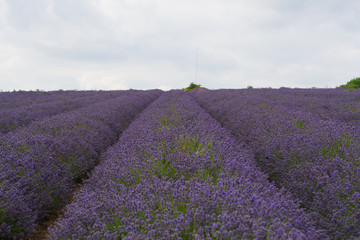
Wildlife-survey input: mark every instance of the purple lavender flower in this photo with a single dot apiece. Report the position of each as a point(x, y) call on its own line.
point(175, 173)
point(41, 163)
point(307, 141)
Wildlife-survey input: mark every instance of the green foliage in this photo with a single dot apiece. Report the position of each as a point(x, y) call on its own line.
point(249, 87)
point(299, 124)
point(115, 226)
point(354, 83)
point(191, 145)
point(191, 87)
point(164, 168)
point(6, 219)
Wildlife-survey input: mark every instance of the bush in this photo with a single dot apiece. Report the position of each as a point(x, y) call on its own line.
point(191, 87)
point(354, 83)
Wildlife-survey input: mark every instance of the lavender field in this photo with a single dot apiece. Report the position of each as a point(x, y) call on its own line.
point(209, 164)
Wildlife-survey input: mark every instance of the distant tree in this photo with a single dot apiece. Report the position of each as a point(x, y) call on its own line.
point(191, 87)
point(354, 83)
point(249, 87)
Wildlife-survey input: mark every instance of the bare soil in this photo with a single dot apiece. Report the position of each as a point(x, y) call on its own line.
point(41, 231)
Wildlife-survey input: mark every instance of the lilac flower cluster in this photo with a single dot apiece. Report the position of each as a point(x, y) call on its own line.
point(309, 151)
point(12, 118)
point(175, 173)
point(41, 163)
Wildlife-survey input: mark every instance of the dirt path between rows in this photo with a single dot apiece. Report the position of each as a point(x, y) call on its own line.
point(41, 231)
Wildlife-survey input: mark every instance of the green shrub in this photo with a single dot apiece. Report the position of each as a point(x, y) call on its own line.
point(354, 83)
point(191, 87)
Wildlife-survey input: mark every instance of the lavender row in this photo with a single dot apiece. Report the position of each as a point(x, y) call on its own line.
point(317, 160)
point(176, 174)
point(41, 164)
point(11, 119)
point(9, 100)
point(337, 104)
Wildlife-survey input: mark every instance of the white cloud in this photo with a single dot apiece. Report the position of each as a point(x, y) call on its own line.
point(164, 87)
point(101, 80)
point(143, 44)
point(3, 13)
point(11, 58)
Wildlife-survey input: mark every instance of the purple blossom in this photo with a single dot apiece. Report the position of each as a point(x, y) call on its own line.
point(41, 163)
point(175, 173)
point(307, 141)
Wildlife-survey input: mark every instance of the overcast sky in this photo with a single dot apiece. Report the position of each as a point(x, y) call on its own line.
point(147, 44)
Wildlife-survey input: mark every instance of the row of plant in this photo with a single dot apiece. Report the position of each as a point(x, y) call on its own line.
point(14, 99)
point(175, 173)
point(40, 164)
point(315, 158)
point(336, 104)
point(13, 118)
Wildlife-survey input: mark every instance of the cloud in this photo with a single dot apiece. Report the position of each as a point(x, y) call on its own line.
point(152, 43)
point(164, 87)
point(101, 80)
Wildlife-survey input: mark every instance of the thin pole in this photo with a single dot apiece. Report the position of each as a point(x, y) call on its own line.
point(196, 64)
